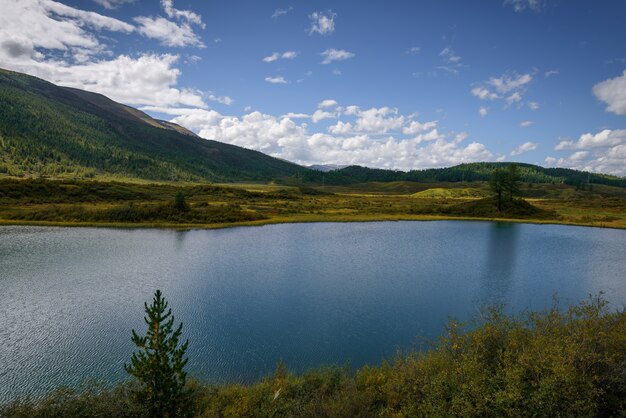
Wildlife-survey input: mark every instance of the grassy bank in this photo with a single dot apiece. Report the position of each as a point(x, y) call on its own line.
point(550, 363)
point(94, 203)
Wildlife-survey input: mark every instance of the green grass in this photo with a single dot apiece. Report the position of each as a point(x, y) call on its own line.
point(551, 363)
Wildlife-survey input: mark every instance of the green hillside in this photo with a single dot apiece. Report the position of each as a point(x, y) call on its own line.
point(464, 173)
point(47, 130)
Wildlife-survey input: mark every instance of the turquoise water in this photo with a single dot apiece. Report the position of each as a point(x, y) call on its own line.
point(309, 294)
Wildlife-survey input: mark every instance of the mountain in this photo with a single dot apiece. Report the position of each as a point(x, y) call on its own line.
point(58, 131)
point(326, 167)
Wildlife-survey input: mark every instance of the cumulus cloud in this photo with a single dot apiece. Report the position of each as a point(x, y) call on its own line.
point(332, 54)
point(276, 80)
point(361, 141)
point(526, 123)
point(525, 147)
point(483, 111)
point(28, 25)
point(62, 44)
point(613, 93)
point(287, 55)
point(604, 138)
point(603, 152)
point(322, 23)
point(327, 103)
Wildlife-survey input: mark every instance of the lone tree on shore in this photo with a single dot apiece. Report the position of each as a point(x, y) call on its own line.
point(497, 184)
point(512, 181)
point(504, 183)
point(159, 361)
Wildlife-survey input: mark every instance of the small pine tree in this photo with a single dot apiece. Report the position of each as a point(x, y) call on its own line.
point(158, 364)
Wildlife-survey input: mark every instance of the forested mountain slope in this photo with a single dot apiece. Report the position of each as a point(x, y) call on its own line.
point(56, 131)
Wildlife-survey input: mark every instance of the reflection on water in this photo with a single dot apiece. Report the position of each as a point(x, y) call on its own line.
point(308, 294)
point(500, 261)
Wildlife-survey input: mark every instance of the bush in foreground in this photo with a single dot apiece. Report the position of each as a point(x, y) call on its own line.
point(551, 363)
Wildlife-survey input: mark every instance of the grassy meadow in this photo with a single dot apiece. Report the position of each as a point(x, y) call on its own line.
point(115, 203)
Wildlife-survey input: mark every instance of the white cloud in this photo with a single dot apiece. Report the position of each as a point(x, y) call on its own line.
point(167, 32)
point(287, 55)
point(281, 12)
point(149, 79)
point(29, 25)
point(320, 115)
point(416, 127)
point(322, 22)
point(112, 4)
point(64, 45)
point(225, 100)
point(413, 50)
point(484, 94)
point(508, 87)
point(451, 61)
point(507, 83)
point(483, 111)
point(533, 105)
point(604, 152)
point(526, 123)
point(550, 73)
point(525, 147)
point(186, 15)
point(521, 5)
point(327, 103)
point(613, 93)
point(333, 54)
point(336, 71)
point(603, 139)
point(276, 80)
point(513, 98)
point(284, 138)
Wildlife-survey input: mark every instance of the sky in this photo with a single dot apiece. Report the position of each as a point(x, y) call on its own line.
point(389, 84)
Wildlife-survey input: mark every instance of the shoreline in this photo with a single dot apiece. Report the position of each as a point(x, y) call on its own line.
point(300, 219)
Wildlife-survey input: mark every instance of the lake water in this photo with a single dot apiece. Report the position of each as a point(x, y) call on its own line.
point(309, 294)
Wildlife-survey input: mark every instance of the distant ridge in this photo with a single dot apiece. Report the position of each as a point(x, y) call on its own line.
point(464, 173)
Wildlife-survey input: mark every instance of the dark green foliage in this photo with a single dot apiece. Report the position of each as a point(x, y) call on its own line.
point(159, 362)
point(180, 203)
point(497, 185)
point(504, 182)
point(512, 186)
point(485, 208)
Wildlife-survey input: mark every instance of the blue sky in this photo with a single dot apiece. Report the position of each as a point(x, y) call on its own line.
point(393, 84)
